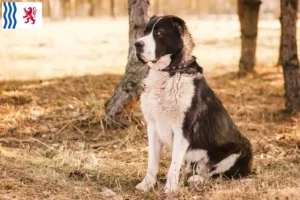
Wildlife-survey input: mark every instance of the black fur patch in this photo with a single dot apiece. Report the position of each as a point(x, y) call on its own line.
point(209, 127)
point(191, 67)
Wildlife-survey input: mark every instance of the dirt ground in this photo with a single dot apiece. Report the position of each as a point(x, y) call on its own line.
point(54, 145)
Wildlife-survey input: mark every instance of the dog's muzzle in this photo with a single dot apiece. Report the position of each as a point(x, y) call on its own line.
point(139, 48)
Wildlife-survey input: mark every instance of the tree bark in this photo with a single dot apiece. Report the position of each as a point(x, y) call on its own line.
point(56, 9)
point(289, 53)
point(73, 8)
point(156, 7)
point(92, 8)
point(46, 8)
point(248, 11)
point(279, 62)
point(129, 89)
point(112, 8)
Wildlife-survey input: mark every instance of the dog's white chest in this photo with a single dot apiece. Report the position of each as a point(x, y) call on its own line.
point(165, 101)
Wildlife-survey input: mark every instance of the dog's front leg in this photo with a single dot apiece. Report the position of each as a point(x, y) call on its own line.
point(154, 148)
point(180, 145)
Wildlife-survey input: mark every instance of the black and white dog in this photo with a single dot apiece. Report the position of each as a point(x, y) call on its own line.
point(183, 113)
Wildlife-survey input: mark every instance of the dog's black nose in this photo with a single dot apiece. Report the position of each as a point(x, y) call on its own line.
point(139, 44)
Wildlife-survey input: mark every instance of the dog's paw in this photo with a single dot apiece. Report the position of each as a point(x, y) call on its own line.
point(195, 180)
point(171, 186)
point(146, 184)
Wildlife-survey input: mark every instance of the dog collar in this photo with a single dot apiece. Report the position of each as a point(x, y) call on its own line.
point(192, 64)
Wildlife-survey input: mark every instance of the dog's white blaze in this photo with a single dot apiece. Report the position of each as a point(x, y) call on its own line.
point(150, 45)
point(225, 164)
point(149, 48)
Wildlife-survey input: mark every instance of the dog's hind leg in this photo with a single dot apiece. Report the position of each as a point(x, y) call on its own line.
point(225, 164)
point(154, 148)
point(198, 173)
point(235, 165)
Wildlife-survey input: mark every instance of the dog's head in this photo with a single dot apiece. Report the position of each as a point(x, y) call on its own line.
point(167, 35)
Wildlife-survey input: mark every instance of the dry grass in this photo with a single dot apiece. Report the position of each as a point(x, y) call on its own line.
point(54, 144)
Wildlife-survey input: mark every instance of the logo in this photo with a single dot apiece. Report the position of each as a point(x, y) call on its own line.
point(9, 10)
point(30, 14)
point(17, 15)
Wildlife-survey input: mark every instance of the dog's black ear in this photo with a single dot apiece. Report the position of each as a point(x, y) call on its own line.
point(197, 66)
point(178, 23)
point(200, 69)
point(153, 17)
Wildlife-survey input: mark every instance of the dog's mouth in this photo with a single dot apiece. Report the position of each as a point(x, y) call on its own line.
point(155, 61)
point(142, 58)
point(145, 60)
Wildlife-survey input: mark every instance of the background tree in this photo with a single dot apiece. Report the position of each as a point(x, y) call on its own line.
point(73, 8)
point(56, 9)
point(248, 11)
point(156, 6)
point(92, 7)
point(279, 61)
point(128, 91)
point(112, 8)
point(289, 54)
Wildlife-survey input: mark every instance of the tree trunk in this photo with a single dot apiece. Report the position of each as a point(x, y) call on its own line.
point(279, 62)
point(156, 7)
point(56, 9)
point(289, 54)
point(46, 8)
point(73, 8)
point(92, 8)
point(248, 11)
point(98, 7)
point(128, 91)
point(112, 8)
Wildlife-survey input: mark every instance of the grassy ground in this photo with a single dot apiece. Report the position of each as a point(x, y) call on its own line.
point(53, 144)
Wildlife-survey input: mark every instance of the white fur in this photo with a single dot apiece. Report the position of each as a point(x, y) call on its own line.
point(150, 45)
point(162, 63)
point(196, 179)
point(225, 164)
point(201, 158)
point(196, 156)
point(164, 103)
point(180, 145)
point(153, 158)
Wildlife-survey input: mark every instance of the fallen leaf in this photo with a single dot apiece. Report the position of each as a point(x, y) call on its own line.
point(110, 194)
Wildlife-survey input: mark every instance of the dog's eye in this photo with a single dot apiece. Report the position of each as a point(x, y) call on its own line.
point(159, 33)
